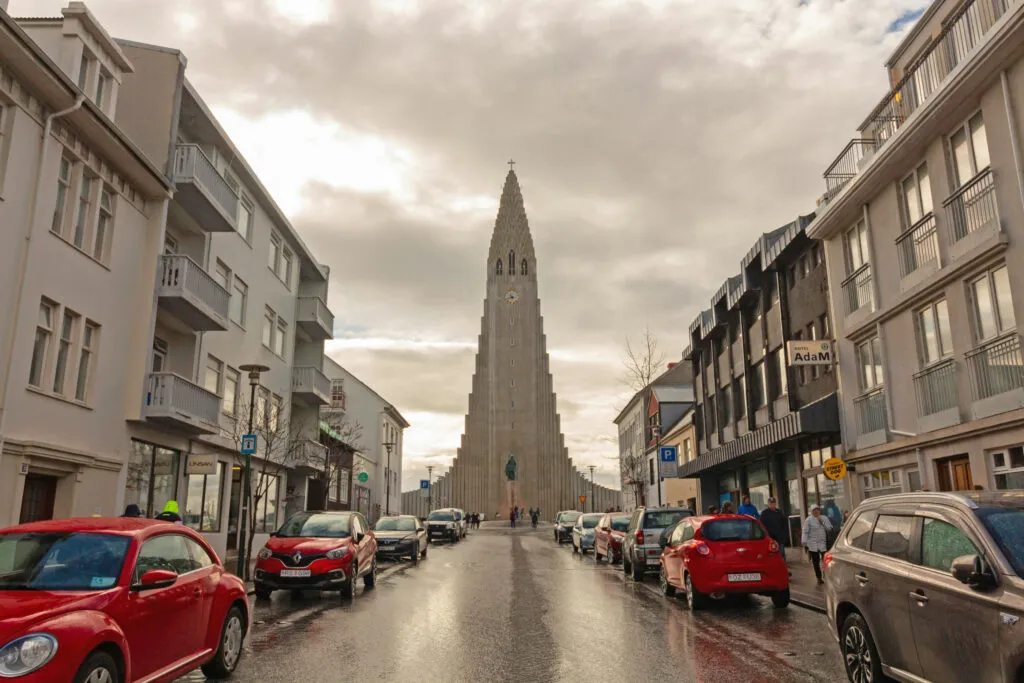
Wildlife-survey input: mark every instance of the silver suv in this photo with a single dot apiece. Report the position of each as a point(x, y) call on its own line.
point(641, 548)
point(929, 587)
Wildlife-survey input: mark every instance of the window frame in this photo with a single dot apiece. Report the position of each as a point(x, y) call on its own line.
point(260, 526)
point(877, 365)
point(231, 373)
point(1000, 327)
point(274, 253)
point(221, 471)
point(243, 293)
point(863, 247)
point(48, 310)
point(69, 321)
point(760, 380)
point(64, 185)
point(922, 346)
point(905, 203)
point(244, 204)
point(86, 352)
point(1007, 468)
point(217, 365)
point(269, 326)
point(976, 170)
point(280, 337)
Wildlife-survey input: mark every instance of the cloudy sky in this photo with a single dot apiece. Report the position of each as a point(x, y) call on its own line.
point(654, 140)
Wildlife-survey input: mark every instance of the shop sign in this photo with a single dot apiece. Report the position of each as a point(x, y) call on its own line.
point(810, 352)
point(834, 468)
point(201, 464)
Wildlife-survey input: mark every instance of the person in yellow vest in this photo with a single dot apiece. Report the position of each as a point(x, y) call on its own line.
point(170, 513)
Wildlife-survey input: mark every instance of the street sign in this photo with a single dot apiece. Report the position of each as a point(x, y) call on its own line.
point(201, 464)
point(248, 444)
point(810, 352)
point(363, 477)
point(424, 488)
point(834, 468)
point(583, 500)
point(668, 457)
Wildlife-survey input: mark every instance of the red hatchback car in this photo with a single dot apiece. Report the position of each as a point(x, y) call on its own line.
point(318, 551)
point(712, 556)
point(608, 537)
point(115, 600)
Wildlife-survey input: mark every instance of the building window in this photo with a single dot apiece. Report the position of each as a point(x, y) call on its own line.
point(969, 149)
point(101, 88)
point(511, 263)
point(917, 195)
point(89, 340)
point(269, 318)
point(274, 417)
point(1008, 468)
point(881, 483)
point(266, 506)
point(222, 274)
point(781, 383)
point(992, 304)
point(523, 268)
point(40, 348)
point(741, 399)
point(869, 360)
point(856, 247)
point(279, 337)
point(239, 299)
point(287, 264)
point(274, 255)
point(933, 332)
point(68, 326)
point(338, 393)
point(63, 190)
point(687, 450)
point(202, 507)
point(261, 411)
point(801, 377)
point(82, 217)
point(152, 477)
point(213, 374)
point(758, 386)
point(497, 268)
point(229, 404)
point(104, 223)
point(244, 218)
point(83, 71)
point(725, 406)
point(650, 470)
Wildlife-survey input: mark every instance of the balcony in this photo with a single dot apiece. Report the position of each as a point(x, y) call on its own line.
point(315, 319)
point(190, 294)
point(964, 30)
point(971, 213)
point(310, 386)
point(938, 402)
point(177, 402)
point(311, 454)
point(857, 291)
point(203, 191)
point(872, 423)
point(918, 251)
point(997, 376)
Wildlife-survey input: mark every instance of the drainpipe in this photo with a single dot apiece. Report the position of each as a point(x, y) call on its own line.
point(1014, 140)
point(12, 328)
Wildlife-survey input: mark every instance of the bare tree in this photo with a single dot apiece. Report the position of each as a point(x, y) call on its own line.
point(632, 466)
point(643, 361)
point(347, 435)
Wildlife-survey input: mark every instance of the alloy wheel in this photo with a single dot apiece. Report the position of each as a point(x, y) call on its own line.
point(232, 641)
point(689, 593)
point(857, 655)
point(99, 675)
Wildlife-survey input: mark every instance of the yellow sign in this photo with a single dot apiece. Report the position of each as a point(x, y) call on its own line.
point(834, 468)
point(583, 499)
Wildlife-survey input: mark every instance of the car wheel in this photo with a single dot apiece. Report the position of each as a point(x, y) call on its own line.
point(370, 578)
point(625, 566)
point(574, 549)
point(423, 553)
point(781, 599)
point(416, 555)
point(232, 635)
point(348, 589)
point(695, 600)
point(262, 592)
point(597, 554)
point(636, 571)
point(99, 667)
point(667, 589)
point(860, 656)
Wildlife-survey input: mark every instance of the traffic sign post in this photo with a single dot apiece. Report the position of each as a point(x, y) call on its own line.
point(363, 477)
point(668, 457)
point(248, 444)
point(583, 500)
point(424, 488)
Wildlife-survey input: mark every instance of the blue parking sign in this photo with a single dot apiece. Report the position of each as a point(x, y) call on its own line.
point(668, 453)
point(424, 484)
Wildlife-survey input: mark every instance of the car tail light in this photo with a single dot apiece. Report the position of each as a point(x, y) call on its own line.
point(773, 547)
point(639, 536)
point(827, 560)
point(703, 549)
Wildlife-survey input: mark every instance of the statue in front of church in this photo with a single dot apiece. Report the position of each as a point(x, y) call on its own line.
point(510, 468)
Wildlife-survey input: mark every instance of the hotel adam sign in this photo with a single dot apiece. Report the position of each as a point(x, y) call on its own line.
point(811, 352)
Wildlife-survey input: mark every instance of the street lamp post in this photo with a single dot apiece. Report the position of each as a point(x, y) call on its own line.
point(254, 370)
point(430, 487)
point(592, 503)
point(387, 501)
point(656, 430)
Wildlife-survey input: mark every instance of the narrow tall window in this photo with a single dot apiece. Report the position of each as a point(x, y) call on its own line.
point(239, 298)
point(222, 274)
point(287, 264)
point(67, 340)
point(268, 328)
point(917, 195)
point(83, 72)
point(103, 224)
point(89, 335)
point(869, 358)
point(274, 255)
point(524, 268)
point(279, 337)
point(992, 304)
point(83, 210)
point(231, 380)
point(44, 328)
point(511, 263)
point(244, 218)
point(969, 147)
point(497, 268)
point(213, 375)
point(63, 188)
point(934, 332)
point(101, 86)
point(856, 247)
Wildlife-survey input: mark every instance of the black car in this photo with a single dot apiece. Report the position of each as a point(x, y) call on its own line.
point(443, 525)
point(564, 522)
point(401, 536)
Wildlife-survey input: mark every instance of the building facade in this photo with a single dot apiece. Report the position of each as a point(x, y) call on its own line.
point(763, 426)
point(922, 222)
point(684, 492)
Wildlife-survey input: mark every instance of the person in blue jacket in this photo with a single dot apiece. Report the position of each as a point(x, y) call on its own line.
point(747, 509)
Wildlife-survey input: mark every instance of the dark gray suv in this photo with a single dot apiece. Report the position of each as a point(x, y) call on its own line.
point(929, 587)
point(641, 547)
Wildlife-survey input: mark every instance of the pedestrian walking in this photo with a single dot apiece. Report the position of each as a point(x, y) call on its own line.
point(747, 509)
point(132, 510)
point(727, 508)
point(170, 513)
point(512, 517)
point(815, 538)
point(774, 521)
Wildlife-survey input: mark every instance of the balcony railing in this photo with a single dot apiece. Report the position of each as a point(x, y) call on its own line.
point(847, 165)
point(172, 398)
point(193, 167)
point(972, 207)
point(312, 454)
point(871, 411)
point(918, 246)
point(190, 293)
point(996, 367)
point(315, 318)
point(935, 388)
point(309, 381)
point(857, 289)
point(963, 31)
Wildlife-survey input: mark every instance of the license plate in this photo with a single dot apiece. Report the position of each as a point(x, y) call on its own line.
point(737, 578)
point(294, 573)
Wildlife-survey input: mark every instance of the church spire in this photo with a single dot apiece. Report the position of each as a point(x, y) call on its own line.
point(511, 243)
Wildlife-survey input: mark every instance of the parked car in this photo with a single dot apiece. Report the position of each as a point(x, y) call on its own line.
point(443, 525)
point(710, 557)
point(608, 537)
point(641, 551)
point(564, 522)
point(401, 536)
point(583, 531)
point(318, 551)
point(115, 600)
point(463, 519)
point(930, 586)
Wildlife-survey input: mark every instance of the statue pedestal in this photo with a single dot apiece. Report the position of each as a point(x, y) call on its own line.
point(509, 500)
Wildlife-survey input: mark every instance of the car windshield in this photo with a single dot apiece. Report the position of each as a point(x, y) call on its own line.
point(439, 516)
point(568, 517)
point(395, 524)
point(732, 530)
point(1007, 528)
point(316, 525)
point(590, 521)
point(620, 523)
point(61, 561)
point(662, 519)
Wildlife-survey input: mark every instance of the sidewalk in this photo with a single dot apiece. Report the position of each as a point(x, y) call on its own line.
point(803, 587)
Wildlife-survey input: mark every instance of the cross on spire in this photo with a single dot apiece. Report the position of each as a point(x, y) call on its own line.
point(511, 163)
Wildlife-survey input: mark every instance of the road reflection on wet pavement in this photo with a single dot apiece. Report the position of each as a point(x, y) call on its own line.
point(513, 606)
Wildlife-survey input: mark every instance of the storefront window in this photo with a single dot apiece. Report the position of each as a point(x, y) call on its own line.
point(881, 483)
point(1008, 468)
point(795, 499)
point(835, 502)
point(757, 473)
point(790, 468)
point(728, 482)
point(266, 506)
point(759, 495)
point(812, 493)
point(152, 477)
point(202, 508)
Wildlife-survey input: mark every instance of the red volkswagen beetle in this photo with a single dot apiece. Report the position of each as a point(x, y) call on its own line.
point(608, 537)
point(712, 556)
point(318, 551)
point(115, 600)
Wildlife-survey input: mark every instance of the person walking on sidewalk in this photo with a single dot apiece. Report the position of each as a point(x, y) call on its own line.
point(512, 518)
point(815, 538)
point(747, 509)
point(774, 521)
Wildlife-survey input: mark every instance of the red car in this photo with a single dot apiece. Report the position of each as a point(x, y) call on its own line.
point(711, 556)
point(115, 600)
point(608, 537)
point(318, 551)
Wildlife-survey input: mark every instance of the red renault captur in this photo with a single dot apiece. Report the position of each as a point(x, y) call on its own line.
point(711, 556)
point(115, 600)
point(318, 551)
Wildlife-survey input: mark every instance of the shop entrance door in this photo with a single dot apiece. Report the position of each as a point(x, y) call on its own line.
point(955, 474)
point(234, 503)
point(37, 501)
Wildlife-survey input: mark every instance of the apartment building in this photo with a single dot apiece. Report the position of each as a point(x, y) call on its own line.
point(682, 435)
point(82, 213)
point(923, 222)
point(375, 430)
point(763, 425)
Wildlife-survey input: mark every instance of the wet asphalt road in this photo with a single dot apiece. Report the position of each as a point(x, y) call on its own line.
point(512, 606)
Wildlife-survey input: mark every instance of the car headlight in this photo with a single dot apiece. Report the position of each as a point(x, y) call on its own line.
point(26, 654)
point(451, 525)
point(337, 553)
point(264, 553)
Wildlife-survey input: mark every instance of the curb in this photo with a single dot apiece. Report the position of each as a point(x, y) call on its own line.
point(807, 604)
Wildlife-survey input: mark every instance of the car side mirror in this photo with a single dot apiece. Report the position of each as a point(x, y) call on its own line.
point(969, 570)
point(359, 536)
point(155, 578)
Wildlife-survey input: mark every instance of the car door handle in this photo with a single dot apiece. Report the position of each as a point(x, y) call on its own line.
point(920, 597)
point(862, 579)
